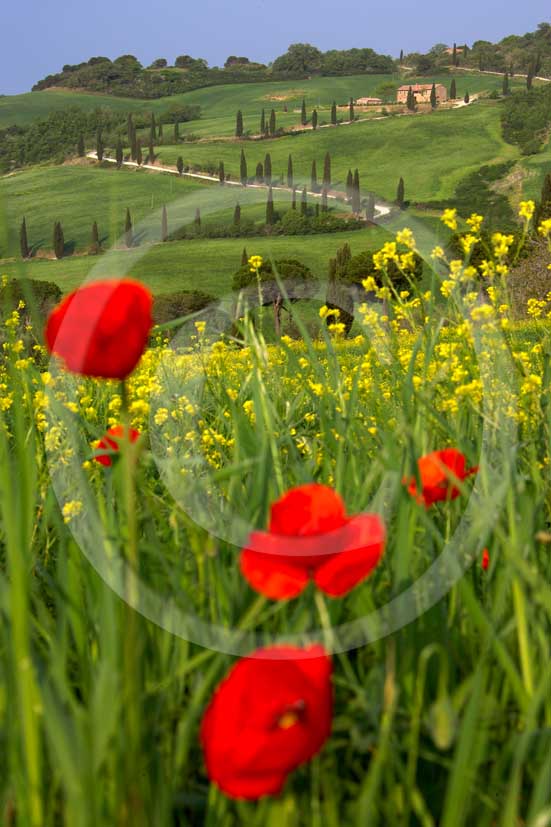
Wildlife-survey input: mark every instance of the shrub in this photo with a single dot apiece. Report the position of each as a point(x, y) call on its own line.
point(170, 306)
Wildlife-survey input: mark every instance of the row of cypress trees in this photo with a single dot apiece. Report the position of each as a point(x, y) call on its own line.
point(268, 126)
point(58, 239)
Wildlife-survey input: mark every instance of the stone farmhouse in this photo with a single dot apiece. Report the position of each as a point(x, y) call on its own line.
point(422, 93)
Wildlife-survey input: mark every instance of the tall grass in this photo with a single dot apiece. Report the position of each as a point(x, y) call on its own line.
point(110, 580)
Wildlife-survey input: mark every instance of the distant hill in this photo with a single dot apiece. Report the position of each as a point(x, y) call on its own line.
point(126, 76)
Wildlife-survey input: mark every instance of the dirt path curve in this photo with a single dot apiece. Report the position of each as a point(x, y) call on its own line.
point(381, 209)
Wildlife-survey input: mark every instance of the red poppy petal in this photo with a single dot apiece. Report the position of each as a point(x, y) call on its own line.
point(272, 574)
point(345, 570)
point(307, 510)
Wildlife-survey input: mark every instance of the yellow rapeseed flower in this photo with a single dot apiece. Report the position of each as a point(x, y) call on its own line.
point(449, 218)
point(527, 210)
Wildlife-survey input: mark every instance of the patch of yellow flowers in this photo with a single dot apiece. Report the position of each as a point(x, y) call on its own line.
point(199, 398)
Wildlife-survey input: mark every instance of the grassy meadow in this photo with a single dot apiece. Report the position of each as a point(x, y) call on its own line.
point(219, 104)
point(460, 141)
point(125, 600)
point(441, 712)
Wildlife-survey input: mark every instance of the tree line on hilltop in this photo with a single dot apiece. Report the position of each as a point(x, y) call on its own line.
point(528, 54)
point(127, 76)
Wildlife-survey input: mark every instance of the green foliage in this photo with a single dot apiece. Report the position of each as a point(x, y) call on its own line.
point(526, 119)
point(239, 124)
point(299, 281)
point(55, 137)
point(301, 58)
point(23, 240)
point(128, 233)
point(401, 194)
point(170, 306)
point(95, 246)
point(58, 240)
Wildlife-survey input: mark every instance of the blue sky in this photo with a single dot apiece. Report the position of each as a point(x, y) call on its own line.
point(42, 35)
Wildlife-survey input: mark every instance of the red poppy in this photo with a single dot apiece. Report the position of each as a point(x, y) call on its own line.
point(437, 472)
point(101, 329)
point(310, 537)
point(485, 560)
point(112, 441)
point(270, 714)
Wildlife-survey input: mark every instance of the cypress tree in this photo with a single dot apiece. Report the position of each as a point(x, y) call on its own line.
point(153, 130)
point(314, 177)
point(119, 154)
point(290, 172)
point(59, 240)
point(317, 210)
point(130, 128)
point(294, 199)
point(411, 100)
point(237, 217)
point(334, 114)
point(324, 200)
point(401, 194)
point(543, 210)
point(239, 124)
point(263, 122)
point(197, 219)
point(349, 184)
point(99, 147)
point(304, 203)
point(530, 77)
point(303, 115)
point(401, 56)
point(244, 257)
point(506, 89)
point(180, 164)
point(128, 234)
point(164, 224)
point(327, 171)
point(134, 146)
point(356, 197)
point(467, 98)
point(370, 209)
point(270, 208)
point(151, 153)
point(95, 245)
point(433, 97)
point(351, 110)
point(176, 132)
point(272, 122)
point(243, 169)
point(23, 240)
point(268, 170)
point(454, 55)
point(221, 173)
point(259, 173)
point(315, 119)
point(453, 90)
point(81, 148)
point(139, 156)
point(160, 132)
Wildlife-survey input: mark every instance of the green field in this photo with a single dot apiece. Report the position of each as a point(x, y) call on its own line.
point(79, 195)
point(431, 151)
point(220, 103)
point(206, 265)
